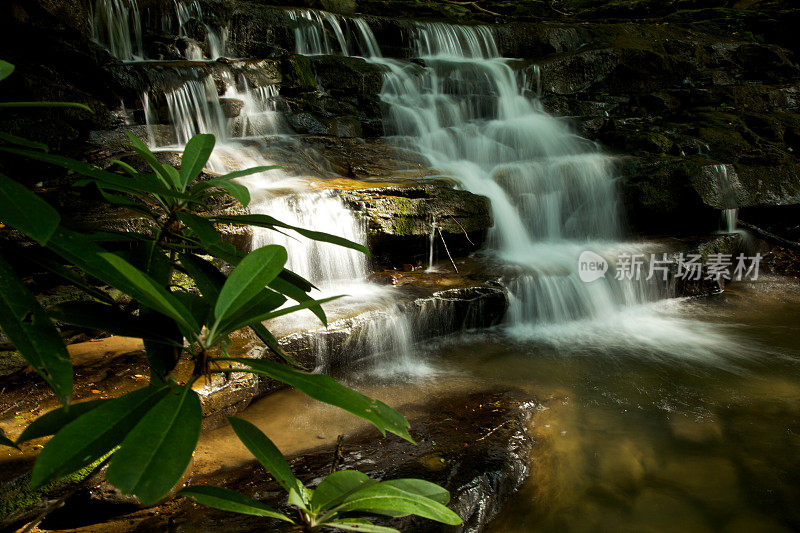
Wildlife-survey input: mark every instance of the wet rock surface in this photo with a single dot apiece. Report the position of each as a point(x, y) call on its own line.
point(349, 342)
point(402, 220)
point(475, 446)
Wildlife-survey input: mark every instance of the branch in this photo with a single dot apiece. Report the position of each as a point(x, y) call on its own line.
point(475, 5)
point(448, 251)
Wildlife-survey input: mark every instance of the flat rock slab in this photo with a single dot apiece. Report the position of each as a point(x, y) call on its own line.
point(476, 446)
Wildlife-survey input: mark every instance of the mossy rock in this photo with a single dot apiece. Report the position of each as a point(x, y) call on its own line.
point(299, 75)
point(11, 362)
point(19, 502)
point(348, 76)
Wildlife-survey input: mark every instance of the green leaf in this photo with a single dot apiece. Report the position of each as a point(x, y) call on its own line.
point(32, 332)
point(149, 158)
point(195, 157)
point(24, 210)
point(149, 293)
point(249, 278)
point(5, 441)
point(297, 280)
point(266, 221)
point(155, 454)
point(174, 175)
point(272, 343)
point(128, 169)
point(51, 423)
point(264, 303)
point(74, 105)
point(115, 271)
point(280, 312)
point(327, 390)
point(198, 306)
point(110, 319)
point(249, 171)
point(210, 238)
point(384, 497)
point(421, 488)
point(300, 296)
point(237, 190)
point(94, 434)
point(6, 69)
point(205, 275)
point(50, 262)
point(359, 524)
point(202, 228)
point(267, 454)
point(21, 141)
point(336, 487)
point(228, 500)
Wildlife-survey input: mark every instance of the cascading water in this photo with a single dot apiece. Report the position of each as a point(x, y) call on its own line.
point(117, 25)
point(313, 29)
point(191, 10)
point(726, 189)
point(195, 108)
point(463, 107)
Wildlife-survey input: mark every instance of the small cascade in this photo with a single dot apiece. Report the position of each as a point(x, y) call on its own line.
point(322, 33)
point(187, 11)
point(532, 80)
point(432, 239)
point(195, 108)
point(310, 33)
point(331, 267)
point(259, 116)
point(437, 39)
point(730, 219)
point(726, 181)
point(117, 25)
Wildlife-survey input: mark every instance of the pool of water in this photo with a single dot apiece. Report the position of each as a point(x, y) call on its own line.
point(682, 416)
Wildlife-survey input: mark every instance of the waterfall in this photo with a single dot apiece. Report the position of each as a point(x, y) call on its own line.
point(432, 239)
point(310, 34)
point(726, 181)
point(468, 112)
point(322, 33)
point(332, 267)
point(195, 108)
point(730, 219)
point(192, 10)
point(117, 25)
point(259, 116)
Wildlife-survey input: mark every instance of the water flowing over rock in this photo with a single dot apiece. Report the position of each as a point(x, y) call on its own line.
point(552, 193)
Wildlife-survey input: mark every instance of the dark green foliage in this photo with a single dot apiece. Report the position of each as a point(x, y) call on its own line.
point(339, 500)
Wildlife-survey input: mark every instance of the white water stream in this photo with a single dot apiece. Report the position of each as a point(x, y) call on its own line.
point(117, 25)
